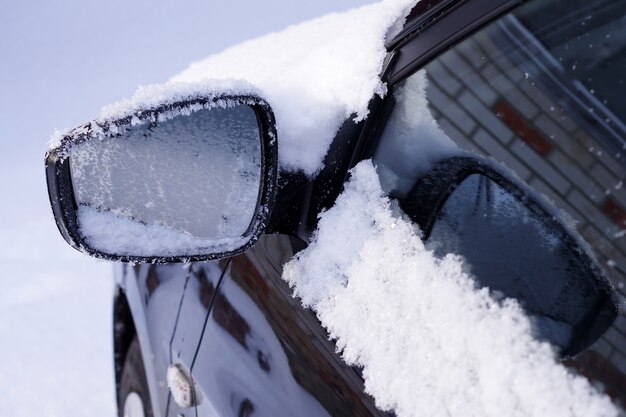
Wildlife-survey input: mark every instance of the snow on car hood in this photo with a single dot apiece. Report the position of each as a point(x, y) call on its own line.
point(430, 342)
point(315, 75)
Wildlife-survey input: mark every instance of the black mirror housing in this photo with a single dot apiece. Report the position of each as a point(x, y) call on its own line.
point(529, 253)
point(62, 185)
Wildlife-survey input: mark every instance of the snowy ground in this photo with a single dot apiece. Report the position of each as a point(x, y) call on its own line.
point(61, 62)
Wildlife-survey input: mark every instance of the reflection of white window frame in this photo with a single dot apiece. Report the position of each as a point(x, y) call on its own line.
point(529, 54)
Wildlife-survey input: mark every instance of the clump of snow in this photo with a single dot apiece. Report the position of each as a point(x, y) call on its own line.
point(118, 235)
point(430, 342)
point(315, 75)
point(151, 96)
point(155, 95)
point(183, 388)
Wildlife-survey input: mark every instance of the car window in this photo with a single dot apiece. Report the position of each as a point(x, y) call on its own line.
point(542, 91)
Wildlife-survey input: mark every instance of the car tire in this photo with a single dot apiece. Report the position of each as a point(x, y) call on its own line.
point(134, 396)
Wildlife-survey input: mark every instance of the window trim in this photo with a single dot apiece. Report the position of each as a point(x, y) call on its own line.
point(455, 25)
point(415, 51)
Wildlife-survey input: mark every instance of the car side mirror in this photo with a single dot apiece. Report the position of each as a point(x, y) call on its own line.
point(516, 244)
point(181, 181)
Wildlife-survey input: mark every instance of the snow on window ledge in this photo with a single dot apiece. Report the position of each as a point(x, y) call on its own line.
point(430, 342)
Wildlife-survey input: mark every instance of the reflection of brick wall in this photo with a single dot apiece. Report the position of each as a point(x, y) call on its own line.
point(487, 105)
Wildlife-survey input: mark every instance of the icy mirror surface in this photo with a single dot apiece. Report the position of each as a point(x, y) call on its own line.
point(512, 251)
point(176, 187)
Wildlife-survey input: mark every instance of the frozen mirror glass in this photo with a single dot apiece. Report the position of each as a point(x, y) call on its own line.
point(175, 187)
point(517, 254)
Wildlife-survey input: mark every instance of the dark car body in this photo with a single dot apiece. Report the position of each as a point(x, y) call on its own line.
point(233, 323)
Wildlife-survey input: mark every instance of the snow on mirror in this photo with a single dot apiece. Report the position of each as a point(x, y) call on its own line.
point(174, 187)
point(517, 254)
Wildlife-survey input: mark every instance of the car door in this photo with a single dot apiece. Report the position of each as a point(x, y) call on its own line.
point(161, 288)
point(262, 354)
point(199, 295)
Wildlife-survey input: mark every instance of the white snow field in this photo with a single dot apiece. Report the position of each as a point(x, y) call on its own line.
point(61, 63)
